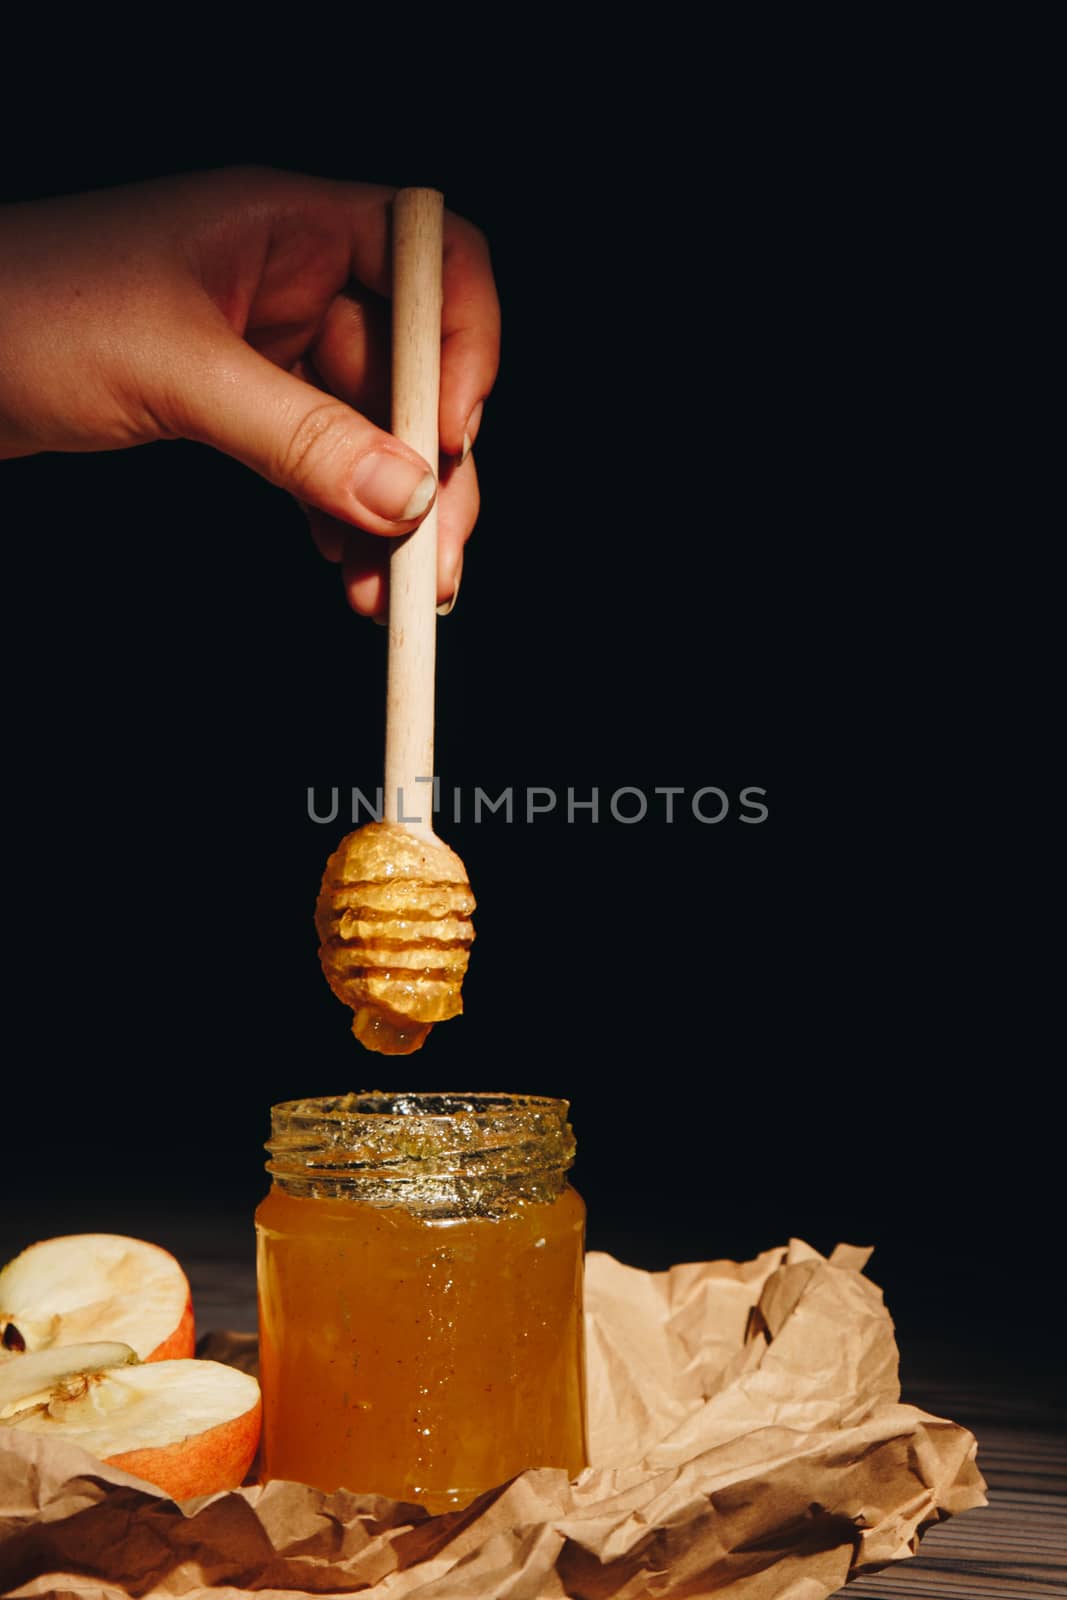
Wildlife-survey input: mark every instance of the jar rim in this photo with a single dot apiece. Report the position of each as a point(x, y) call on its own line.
point(399, 1138)
point(422, 1104)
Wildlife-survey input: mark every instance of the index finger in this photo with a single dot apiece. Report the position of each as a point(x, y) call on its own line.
point(470, 333)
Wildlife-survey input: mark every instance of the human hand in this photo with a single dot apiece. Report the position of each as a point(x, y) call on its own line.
point(246, 309)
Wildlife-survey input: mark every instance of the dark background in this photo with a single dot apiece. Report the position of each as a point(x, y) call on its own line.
point(716, 548)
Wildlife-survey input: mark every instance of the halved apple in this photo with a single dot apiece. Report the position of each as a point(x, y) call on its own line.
point(93, 1286)
point(189, 1427)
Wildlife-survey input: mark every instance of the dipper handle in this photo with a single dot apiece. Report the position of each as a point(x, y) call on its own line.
point(418, 231)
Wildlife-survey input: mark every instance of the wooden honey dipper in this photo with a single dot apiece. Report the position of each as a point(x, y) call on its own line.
point(393, 913)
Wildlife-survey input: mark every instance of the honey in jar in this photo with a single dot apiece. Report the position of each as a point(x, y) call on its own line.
point(420, 1294)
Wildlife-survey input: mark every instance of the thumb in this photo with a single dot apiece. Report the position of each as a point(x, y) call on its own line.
point(303, 440)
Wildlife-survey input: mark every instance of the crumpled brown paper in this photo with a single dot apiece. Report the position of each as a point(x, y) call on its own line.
point(746, 1435)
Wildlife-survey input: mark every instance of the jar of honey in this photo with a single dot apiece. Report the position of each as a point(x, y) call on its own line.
point(420, 1294)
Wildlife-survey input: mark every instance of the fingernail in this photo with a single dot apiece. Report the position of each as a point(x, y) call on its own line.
point(470, 433)
point(450, 605)
point(393, 487)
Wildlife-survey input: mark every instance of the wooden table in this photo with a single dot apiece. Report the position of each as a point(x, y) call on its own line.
point(1013, 1549)
point(1016, 1546)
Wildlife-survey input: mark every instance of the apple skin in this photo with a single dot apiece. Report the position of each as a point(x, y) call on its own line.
point(205, 1464)
point(182, 1342)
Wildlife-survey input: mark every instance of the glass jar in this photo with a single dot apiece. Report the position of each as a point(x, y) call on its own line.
point(420, 1294)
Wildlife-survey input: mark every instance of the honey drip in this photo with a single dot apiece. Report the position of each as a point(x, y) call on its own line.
point(386, 1033)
